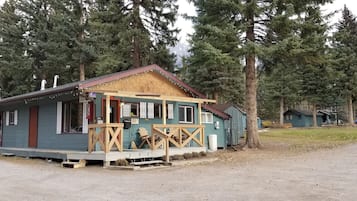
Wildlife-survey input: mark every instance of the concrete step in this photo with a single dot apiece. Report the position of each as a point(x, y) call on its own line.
point(151, 162)
point(71, 164)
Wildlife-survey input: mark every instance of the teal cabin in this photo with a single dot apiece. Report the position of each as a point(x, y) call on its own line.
point(300, 118)
point(105, 114)
point(235, 125)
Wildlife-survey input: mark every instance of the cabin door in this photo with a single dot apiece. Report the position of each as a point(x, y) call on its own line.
point(33, 131)
point(0, 129)
point(114, 111)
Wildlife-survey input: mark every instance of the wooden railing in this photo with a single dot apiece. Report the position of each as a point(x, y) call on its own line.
point(106, 135)
point(179, 135)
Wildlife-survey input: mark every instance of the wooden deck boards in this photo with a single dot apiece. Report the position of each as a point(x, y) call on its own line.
point(97, 155)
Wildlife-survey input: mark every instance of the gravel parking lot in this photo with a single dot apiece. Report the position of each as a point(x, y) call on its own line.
point(244, 175)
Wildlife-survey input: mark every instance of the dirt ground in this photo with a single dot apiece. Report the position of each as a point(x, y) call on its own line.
point(271, 174)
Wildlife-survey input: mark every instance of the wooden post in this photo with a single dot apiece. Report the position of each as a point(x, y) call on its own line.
point(90, 140)
point(164, 114)
point(107, 122)
point(107, 109)
point(200, 113)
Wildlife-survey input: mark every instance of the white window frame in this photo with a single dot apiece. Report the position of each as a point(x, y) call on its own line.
point(59, 119)
point(15, 117)
point(207, 117)
point(185, 107)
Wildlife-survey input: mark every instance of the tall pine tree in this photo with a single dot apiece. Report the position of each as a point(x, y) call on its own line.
point(139, 33)
point(15, 66)
point(214, 64)
point(314, 65)
point(345, 57)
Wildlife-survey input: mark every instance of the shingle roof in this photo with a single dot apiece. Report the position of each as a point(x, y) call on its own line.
point(111, 77)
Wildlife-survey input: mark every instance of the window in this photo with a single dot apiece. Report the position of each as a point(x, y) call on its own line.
point(207, 117)
point(11, 118)
point(157, 111)
point(131, 110)
point(72, 117)
point(186, 114)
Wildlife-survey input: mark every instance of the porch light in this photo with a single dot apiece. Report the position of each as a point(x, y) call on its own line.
point(216, 125)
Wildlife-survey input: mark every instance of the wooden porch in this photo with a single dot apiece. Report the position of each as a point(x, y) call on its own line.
point(65, 155)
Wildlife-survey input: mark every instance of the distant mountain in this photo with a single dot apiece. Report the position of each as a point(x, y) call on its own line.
point(180, 50)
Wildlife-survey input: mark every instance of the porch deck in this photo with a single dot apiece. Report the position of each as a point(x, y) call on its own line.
point(97, 155)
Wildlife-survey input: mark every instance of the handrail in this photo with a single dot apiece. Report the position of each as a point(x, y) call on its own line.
point(107, 135)
point(177, 134)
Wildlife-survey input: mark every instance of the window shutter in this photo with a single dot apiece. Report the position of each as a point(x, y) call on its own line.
point(15, 117)
point(84, 118)
point(126, 110)
point(170, 111)
point(7, 118)
point(151, 110)
point(143, 110)
point(59, 118)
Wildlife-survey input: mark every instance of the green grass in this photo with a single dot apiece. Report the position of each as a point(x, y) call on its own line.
point(308, 139)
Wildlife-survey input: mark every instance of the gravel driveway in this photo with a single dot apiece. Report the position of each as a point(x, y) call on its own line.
point(320, 175)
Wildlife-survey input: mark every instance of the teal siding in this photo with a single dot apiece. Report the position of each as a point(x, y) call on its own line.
point(235, 125)
point(221, 132)
point(17, 135)
point(303, 120)
point(47, 137)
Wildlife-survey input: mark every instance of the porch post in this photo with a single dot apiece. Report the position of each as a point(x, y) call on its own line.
point(200, 113)
point(107, 111)
point(167, 155)
point(107, 122)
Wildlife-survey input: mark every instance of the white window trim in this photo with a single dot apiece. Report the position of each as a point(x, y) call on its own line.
point(84, 118)
point(59, 118)
point(15, 117)
point(142, 110)
point(170, 111)
point(205, 117)
point(151, 112)
point(7, 118)
point(185, 114)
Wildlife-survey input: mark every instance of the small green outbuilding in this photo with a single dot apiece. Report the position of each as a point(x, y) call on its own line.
point(301, 118)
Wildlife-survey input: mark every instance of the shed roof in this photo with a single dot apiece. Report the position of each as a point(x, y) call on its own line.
point(223, 107)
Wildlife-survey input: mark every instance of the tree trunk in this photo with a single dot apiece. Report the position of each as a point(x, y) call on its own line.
point(81, 38)
point(281, 111)
point(314, 115)
point(251, 85)
point(136, 41)
point(216, 96)
point(350, 110)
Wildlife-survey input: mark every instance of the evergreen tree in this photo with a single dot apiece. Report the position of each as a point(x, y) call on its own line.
point(315, 66)
point(282, 81)
point(139, 33)
point(56, 35)
point(15, 68)
point(345, 57)
point(214, 64)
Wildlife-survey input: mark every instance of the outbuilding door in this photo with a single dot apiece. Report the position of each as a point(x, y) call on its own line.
point(0, 129)
point(33, 129)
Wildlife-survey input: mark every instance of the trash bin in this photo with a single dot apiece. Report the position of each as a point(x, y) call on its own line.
point(127, 123)
point(212, 142)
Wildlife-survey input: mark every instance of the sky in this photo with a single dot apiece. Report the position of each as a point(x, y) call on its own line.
point(186, 8)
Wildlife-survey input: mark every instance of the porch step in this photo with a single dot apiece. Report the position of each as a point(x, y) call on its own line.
point(71, 164)
point(152, 162)
point(8, 154)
